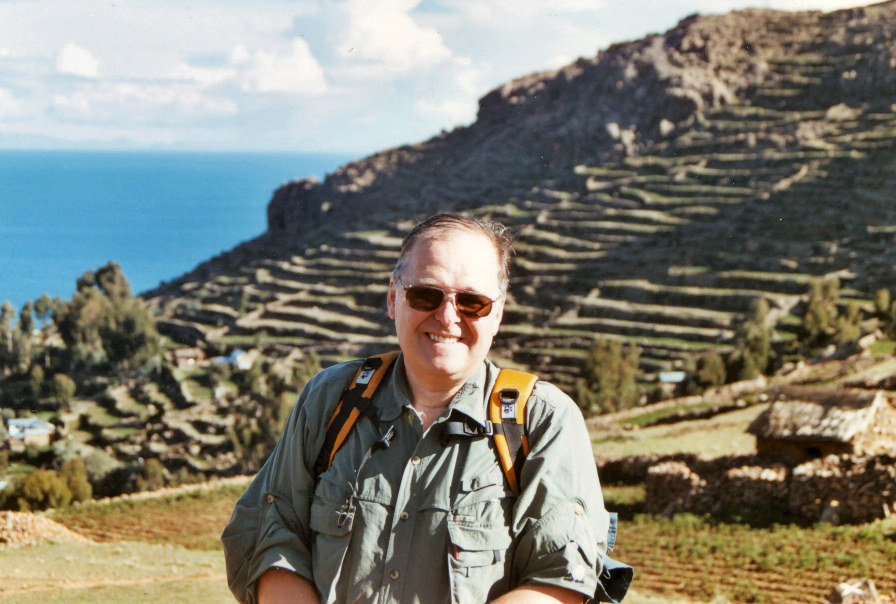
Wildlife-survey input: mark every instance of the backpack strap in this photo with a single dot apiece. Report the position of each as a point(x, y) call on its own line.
point(507, 413)
point(355, 402)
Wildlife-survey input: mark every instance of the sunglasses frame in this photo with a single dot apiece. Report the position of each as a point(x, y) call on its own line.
point(460, 308)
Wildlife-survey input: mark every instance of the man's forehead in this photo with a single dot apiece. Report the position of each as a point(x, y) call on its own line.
point(469, 249)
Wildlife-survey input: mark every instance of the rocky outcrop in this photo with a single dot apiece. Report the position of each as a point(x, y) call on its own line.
point(629, 96)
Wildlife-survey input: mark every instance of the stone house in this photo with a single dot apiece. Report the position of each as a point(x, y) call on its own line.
point(807, 423)
point(25, 432)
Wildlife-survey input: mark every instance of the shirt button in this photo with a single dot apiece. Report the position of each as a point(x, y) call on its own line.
point(415, 460)
point(404, 515)
point(393, 575)
point(269, 498)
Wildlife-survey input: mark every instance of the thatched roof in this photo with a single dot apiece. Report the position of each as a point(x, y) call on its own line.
point(817, 414)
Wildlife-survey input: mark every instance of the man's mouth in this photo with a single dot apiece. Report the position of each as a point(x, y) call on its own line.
point(443, 339)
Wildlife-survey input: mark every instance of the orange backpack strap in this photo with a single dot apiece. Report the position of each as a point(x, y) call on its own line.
point(507, 413)
point(355, 401)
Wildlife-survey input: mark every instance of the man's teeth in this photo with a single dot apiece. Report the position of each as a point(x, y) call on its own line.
point(445, 339)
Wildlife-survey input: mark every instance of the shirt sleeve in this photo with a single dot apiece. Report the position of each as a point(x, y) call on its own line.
point(559, 521)
point(269, 526)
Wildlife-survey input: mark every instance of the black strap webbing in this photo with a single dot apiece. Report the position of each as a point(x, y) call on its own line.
point(355, 402)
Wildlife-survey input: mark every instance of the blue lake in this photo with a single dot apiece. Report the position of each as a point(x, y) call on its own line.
point(157, 214)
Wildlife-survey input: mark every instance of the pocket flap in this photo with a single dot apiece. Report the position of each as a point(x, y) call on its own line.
point(331, 520)
point(471, 537)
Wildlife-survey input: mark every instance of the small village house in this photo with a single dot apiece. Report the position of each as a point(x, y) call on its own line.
point(807, 423)
point(29, 432)
point(186, 357)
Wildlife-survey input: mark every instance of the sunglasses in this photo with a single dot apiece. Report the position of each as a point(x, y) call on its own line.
point(427, 299)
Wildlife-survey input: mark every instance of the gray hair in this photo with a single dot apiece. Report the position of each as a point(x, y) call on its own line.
point(433, 227)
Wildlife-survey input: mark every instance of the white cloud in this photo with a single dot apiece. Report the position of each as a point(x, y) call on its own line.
point(240, 55)
point(296, 73)
point(75, 60)
point(446, 112)
point(75, 106)
point(383, 40)
point(203, 76)
point(9, 105)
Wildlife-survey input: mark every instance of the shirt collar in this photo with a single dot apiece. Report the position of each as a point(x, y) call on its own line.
point(469, 400)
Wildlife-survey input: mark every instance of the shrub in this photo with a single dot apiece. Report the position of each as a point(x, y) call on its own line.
point(154, 476)
point(709, 372)
point(610, 378)
point(753, 353)
point(42, 489)
point(74, 473)
point(63, 389)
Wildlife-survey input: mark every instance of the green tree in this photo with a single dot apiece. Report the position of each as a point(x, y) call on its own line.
point(111, 281)
point(103, 322)
point(818, 324)
point(885, 310)
point(36, 380)
point(63, 389)
point(709, 370)
point(610, 378)
point(42, 308)
point(153, 475)
point(129, 334)
point(42, 489)
point(848, 325)
point(26, 319)
point(78, 323)
point(753, 354)
point(7, 334)
point(309, 367)
point(74, 473)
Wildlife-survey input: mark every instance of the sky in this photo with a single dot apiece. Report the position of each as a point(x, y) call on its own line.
point(348, 76)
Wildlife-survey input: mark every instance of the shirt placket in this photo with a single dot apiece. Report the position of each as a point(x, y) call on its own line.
point(404, 523)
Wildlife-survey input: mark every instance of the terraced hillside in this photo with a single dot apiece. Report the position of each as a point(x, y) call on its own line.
point(657, 190)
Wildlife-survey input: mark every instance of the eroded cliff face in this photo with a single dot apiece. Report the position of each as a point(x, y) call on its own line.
point(622, 101)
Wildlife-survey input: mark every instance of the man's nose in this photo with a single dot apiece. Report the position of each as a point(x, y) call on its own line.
point(447, 312)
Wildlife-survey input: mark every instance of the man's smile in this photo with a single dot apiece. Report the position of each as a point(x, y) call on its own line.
point(443, 339)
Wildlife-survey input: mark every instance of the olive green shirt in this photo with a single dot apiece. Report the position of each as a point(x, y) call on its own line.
point(426, 518)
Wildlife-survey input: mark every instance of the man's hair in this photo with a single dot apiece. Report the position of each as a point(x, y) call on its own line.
point(436, 226)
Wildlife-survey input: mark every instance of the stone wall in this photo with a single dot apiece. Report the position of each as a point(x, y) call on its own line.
point(834, 488)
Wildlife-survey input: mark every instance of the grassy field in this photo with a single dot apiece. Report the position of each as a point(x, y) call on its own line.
point(722, 435)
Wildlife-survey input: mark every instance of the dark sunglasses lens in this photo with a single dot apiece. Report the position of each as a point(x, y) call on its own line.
point(473, 305)
point(429, 298)
point(424, 298)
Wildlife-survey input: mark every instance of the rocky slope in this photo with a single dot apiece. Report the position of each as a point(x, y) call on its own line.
point(657, 188)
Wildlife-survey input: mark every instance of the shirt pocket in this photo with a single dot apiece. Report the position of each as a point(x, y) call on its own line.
point(332, 525)
point(478, 539)
point(477, 560)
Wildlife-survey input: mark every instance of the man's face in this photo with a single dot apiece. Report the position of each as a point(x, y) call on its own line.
point(442, 348)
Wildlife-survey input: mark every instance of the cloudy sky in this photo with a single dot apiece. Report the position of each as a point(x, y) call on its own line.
point(293, 75)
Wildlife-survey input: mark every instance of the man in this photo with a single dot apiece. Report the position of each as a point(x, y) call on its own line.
point(424, 518)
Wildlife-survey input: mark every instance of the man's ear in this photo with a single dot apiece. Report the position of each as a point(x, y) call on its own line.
point(390, 299)
point(498, 308)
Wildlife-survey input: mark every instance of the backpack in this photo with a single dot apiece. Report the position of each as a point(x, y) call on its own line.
point(507, 426)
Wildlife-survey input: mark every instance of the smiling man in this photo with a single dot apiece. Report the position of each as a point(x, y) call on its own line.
point(418, 515)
